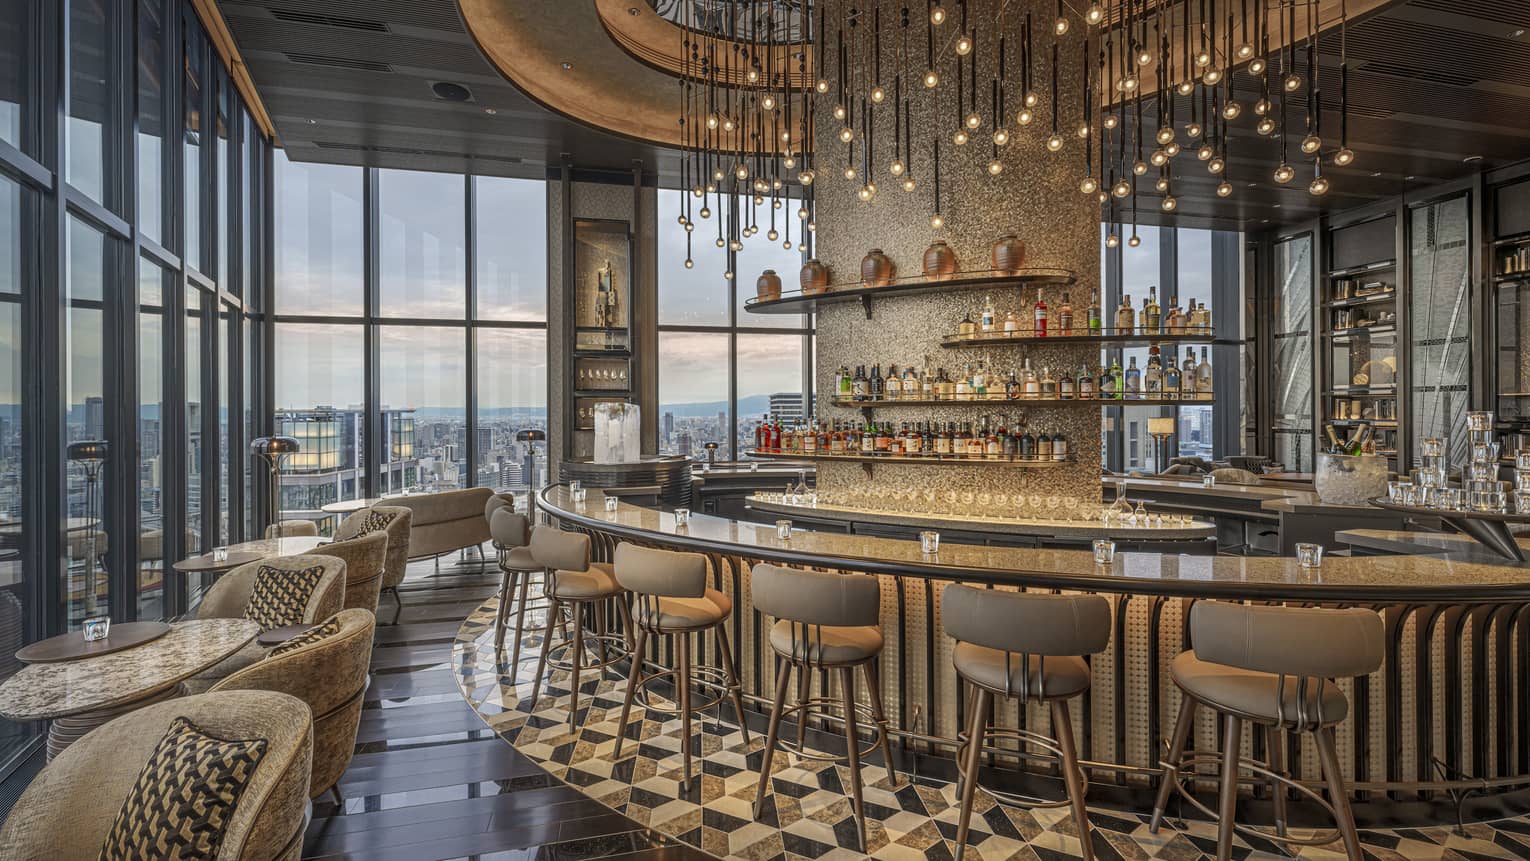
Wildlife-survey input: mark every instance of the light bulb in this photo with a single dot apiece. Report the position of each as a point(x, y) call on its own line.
point(1345, 156)
point(1265, 126)
point(753, 75)
point(1293, 82)
point(1231, 110)
point(1202, 58)
point(938, 15)
point(908, 183)
point(812, 227)
point(712, 121)
point(689, 227)
point(974, 120)
point(1224, 188)
point(1257, 66)
point(1245, 51)
point(1139, 167)
point(822, 86)
point(1031, 99)
point(846, 134)
point(1122, 189)
point(931, 80)
point(1095, 14)
point(1111, 121)
point(801, 246)
point(1212, 76)
point(1165, 134)
point(1172, 149)
point(1134, 241)
point(1000, 137)
point(995, 167)
point(1205, 152)
point(1262, 107)
point(805, 177)
point(788, 162)
point(706, 212)
point(772, 235)
point(850, 173)
point(1159, 158)
point(1311, 144)
point(720, 243)
point(681, 221)
point(960, 137)
point(1088, 185)
point(711, 189)
point(896, 168)
point(728, 125)
point(728, 275)
point(1319, 186)
point(878, 95)
point(696, 191)
point(871, 184)
point(717, 174)
point(937, 222)
point(1185, 88)
point(1024, 117)
point(1193, 130)
point(1055, 142)
point(1060, 26)
point(963, 45)
point(1112, 241)
point(689, 263)
point(839, 112)
point(775, 184)
point(1216, 165)
point(1131, 82)
point(768, 103)
point(1284, 173)
point(736, 245)
point(1144, 57)
point(741, 172)
point(1082, 130)
point(801, 212)
point(1102, 196)
point(1169, 204)
point(1162, 184)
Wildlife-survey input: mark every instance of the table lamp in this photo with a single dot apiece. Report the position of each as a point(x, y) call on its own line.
point(711, 448)
point(275, 450)
point(90, 454)
point(1161, 428)
point(532, 436)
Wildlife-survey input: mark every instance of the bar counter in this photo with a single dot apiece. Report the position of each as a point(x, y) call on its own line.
point(1449, 710)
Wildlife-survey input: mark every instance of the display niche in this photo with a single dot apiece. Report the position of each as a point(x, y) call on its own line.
point(601, 341)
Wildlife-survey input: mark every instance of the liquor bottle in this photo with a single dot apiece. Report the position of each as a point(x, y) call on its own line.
point(1203, 321)
point(959, 440)
point(1094, 312)
point(945, 389)
point(910, 383)
point(810, 438)
point(1176, 320)
point(943, 440)
point(1119, 376)
point(759, 434)
point(1086, 389)
point(1203, 377)
point(895, 441)
point(993, 444)
point(979, 382)
point(1039, 314)
point(843, 383)
point(837, 439)
point(1012, 387)
point(876, 387)
point(1012, 325)
point(1030, 384)
point(1043, 447)
point(913, 441)
point(773, 442)
point(1065, 386)
point(966, 328)
point(964, 384)
point(1171, 378)
point(1048, 384)
point(1107, 385)
point(1065, 317)
point(986, 321)
point(858, 384)
point(927, 441)
point(977, 441)
point(868, 439)
point(1059, 447)
point(824, 436)
point(1152, 314)
point(1152, 377)
point(884, 437)
point(1187, 375)
point(1126, 318)
point(1026, 450)
point(927, 382)
point(1133, 380)
point(789, 438)
point(892, 386)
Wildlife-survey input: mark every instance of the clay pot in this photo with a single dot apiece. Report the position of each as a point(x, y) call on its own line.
point(814, 277)
point(939, 261)
point(768, 286)
point(876, 268)
point(1008, 255)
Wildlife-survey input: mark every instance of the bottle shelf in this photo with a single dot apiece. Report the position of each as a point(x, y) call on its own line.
point(870, 460)
point(1381, 423)
point(1378, 266)
point(798, 302)
point(1364, 391)
point(1367, 299)
point(1353, 332)
point(1002, 401)
point(1106, 337)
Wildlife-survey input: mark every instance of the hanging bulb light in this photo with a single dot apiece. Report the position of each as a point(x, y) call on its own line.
point(1319, 186)
point(937, 222)
point(696, 191)
point(689, 263)
point(1112, 241)
point(897, 167)
point(1212, 76)
point(801, 212)
point(963, 45)
point(711, 189)
point(788, 162)
point(1194, 129)
point(1185, 88)
point(1344, 157)
point(720, 243)
point(864, 193)
point(1031, 99)
point(839, 112)
point(1130, 83)
point(1111, 121)
point(1293, 82)
point(1165, 134)
point(772, 235)
point(1262, 107)
point(931, 80)
point(1231, 110)
point(712, 121)
point(1224, 188)
point(878, 95)
point(1311, 144)
point(1095, 14)
point(1265, 126)
point(1257, 66)
point(717, 174)
point(728, 125)
point(1000, 137)
point(741, 172)
point(822, 86)
point(1284, 173)
point(682, 221)
point(1169, 204)
point(1134, 241)
point(1122, 188)
point(1245, 51)
point(1060, 26)
point(753, 75)
point(960, 138)
point(706, 212)
point(937, 14)
point(1205, 152)
point(908, 183)
point(995, 167)
point(1101, 196)
point(846, 134)
point(1159, 158)
point(1055, 142)
point(768, 102)
point(1172, 149)
point(805, 177)
point(728, 275)
point(1088, 186)
point(850, 172)
point(1144, 56)
point(1202, 58)
point(812, 227)
point(1217, 164)
point(1162, 184)
point(974, 120)
point(1024, 117)
point(1139, 167)
point(1083, 130)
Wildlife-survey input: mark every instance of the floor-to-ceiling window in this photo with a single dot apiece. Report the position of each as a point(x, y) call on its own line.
point(722, 369)
point(1291, 366)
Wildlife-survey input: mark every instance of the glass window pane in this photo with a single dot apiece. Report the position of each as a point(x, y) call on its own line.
point(191, 149)
point(693, 392)
point(510, 244)
point(247, 211)
point(423, 393)
point(759, 254)
point(1440, 327)
point(154, 284)
point(195, 451)
point(226, 320)
point(422, 249)
point(18, 76)
point(248, 481)
point(1292, 369)
point(512, 396)
point(319, 256)
point(15, 597)
point(1140, 269)
point(86, 584)
point(319, 389)
point(151, 120)
point(93, 26)
point(769, 382)
point(220, 172)
point(697, 295)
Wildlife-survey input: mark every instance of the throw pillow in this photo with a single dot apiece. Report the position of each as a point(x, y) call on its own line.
point(328, 628)
point(279, 597)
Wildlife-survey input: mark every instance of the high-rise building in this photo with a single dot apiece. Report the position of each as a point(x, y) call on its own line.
point(786, 406)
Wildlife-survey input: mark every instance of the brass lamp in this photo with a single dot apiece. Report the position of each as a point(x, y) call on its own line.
point(1161, 429)
point(275, 450)
point(531, 436)
point(91, 455)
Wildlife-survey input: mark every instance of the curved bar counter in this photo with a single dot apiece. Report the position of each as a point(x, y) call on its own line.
point(1448, 713)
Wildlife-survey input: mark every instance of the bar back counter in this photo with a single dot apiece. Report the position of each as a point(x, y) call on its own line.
point(1441, 730)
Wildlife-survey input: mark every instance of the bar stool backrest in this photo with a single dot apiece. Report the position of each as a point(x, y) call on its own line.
point(555, 549)
point(816, 597)
point(505, 500)
point(661, 573)
point(507, 528)
point(1026, 622)
point(1305, 642)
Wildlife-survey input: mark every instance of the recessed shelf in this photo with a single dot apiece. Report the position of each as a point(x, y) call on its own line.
point(1361, 270)
point(603, 393)
point(868, 461)
point(1020, 402)
point(1108, 337)
point(1368, 299)
point(797, 302)
point(1362, 332)
point(1364, 391)
point(1381, 423)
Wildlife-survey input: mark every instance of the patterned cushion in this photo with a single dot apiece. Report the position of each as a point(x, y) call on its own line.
point(374, 521)
point(185, 796)
point(328, 628)
point(279, 597)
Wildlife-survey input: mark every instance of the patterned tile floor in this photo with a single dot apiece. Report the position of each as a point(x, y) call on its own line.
point(809, 813)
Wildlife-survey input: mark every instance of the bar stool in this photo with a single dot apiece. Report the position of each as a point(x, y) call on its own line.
point(575, 582)
point(511, 534)
point(1022, 644)
point(1272, 666)
point(672, 599)
point(824, 622)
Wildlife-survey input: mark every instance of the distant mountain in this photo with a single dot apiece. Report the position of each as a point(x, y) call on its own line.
point(754, 405)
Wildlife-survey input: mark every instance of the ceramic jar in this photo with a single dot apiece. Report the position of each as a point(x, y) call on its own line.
point(876, 268)
point(939, 261)
point(1349, 479)
point(768, 286)
point(1008, 255)
point(814, 277)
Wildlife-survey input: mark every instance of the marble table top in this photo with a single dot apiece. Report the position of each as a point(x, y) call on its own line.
point(1005, 525)
point(1443, 577)
point(350, 506)
point(47, 691)
point(1399, 541)
point(250, 551)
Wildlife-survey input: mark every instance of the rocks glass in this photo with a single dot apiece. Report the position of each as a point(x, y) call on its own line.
point(611, 503)
point(96, 628)
point(1309, 555)
point(784, 530)
point(682, 516)
point(929, 541)
point(1104, 551)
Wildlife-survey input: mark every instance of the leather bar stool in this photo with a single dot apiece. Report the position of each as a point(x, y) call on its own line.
point(576, 583)
point(511, 534)
point(1274, 667)
point(1022, 645)
point(825, 622)
point(671, 599)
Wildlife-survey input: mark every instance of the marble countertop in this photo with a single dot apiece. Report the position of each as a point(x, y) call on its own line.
point(1442, 577)
point(47, 691)
point(1426, 543)
point(1004, 525)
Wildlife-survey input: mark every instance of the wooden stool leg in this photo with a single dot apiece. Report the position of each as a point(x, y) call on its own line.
point(578, 663)
point(600, 633)
point(976, 727)
point(1337, 794)
point(730, 671)
point(520, 627)
point(633, 680)
point(874, 691)
point(1275, 740)
point(853, 750)
point(506, 592)
point(772, 732)
point(683, 698)
point(554, 608)
point(1176, 753)
point(627, 627)
point(804, 688)
point(1073, 776)
point(1227, 802)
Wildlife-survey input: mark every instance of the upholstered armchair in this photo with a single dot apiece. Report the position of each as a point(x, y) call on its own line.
point(398, 522)
point(330, 675)
point(228, 598)
point(447, 521)
point(69, 808)
point(365, 557)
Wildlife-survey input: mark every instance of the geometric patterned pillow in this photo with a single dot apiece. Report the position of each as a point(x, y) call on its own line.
point(181, 805)
point(279, 597)
point(374, 521)
point(328, 628)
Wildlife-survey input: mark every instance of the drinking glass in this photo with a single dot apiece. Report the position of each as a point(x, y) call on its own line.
point(929, 541)
point(1208, 480)
point(1104, 551)
point(96, 628)
point(1309, 555)
point(611, 503)
point(1522, 459)
point(220, 554)
point(574, 487)
point(1448, 499)
point(682, 516)
point(1522, 502)
point(1431, 447)
point(1482, 472)
point(1395, 490)
point(1479, 420)
point(784, 530)
point(1485, 452)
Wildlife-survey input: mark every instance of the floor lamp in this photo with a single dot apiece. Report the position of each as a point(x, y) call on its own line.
point(275, 450)
point(1161, 428)
point(91, 455)
point(531, 436)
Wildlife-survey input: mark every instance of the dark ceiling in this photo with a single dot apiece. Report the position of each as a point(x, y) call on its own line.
point(1433, 83)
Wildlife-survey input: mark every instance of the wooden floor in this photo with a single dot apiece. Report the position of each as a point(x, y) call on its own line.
point(430, 781)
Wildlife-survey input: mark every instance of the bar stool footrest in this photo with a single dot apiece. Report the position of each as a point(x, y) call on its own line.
point(701, 677)
point(594, 646)
point(828, 706)
point(1024, 737)
point(1174, 772)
